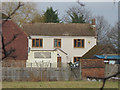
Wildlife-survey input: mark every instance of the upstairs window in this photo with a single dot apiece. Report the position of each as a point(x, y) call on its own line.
point(37, 42)
point(78, 43)
point(57, 43)
point(76, 59)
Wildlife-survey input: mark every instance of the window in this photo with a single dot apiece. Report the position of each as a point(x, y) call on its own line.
point(37, 42)
point(57, 43)
point(76, 59)
point(106, 62)
point(78, 43)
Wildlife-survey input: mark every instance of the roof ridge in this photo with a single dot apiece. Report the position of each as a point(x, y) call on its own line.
point(59, 23)
point(59, 29)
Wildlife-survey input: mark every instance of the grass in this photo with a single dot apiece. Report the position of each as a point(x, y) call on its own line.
point(59, 84)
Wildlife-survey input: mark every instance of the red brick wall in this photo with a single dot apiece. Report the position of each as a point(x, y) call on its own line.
point(20, 43)
point(14, 63)
point(93, 72)
point(92, 68)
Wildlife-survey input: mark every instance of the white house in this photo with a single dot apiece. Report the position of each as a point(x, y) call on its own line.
point(50, 44)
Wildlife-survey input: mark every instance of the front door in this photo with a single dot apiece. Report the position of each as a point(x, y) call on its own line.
point(59, 62)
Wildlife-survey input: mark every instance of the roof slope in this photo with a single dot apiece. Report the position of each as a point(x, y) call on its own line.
point(9, 30)
point(108, 56)
point(58, 29)
point(99, 50)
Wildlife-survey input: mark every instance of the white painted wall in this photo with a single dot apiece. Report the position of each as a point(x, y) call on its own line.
point(42, 62)
point(67, 45)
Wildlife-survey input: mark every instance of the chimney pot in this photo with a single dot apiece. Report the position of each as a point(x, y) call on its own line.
point(93, 24)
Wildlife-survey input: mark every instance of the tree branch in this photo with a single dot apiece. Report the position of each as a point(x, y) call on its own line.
point(5, 52)
point(8, 53)
point(19, 5)
point(14, 37)
point(104, 79)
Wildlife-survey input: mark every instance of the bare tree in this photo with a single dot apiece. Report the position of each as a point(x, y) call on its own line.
point(102, 29)
point(78, 14)
point(23, 14)
point(113, 36)
point(5, 52)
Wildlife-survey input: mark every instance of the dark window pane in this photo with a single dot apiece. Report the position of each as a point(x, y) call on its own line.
point(59, 44)
point(33, 42)
point(78, 39)
point(41, 43)
point(74, 59)
point(78, 58)
point(82, 43)
point(37, 42)
point(74, 43)
point(79, 44)
point(55, 42)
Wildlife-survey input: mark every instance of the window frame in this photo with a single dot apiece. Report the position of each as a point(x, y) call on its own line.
point(82, 45)
point(57, 43)
point(39, 43)
point(76, 59)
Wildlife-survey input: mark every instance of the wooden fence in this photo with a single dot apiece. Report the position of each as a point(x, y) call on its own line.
point(111, 69)
point(57, 74)
point(39, 74)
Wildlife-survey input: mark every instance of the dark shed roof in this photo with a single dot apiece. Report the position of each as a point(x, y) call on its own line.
point(58, 29)
point(99, 50)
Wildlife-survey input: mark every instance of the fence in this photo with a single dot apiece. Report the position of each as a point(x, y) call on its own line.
point(14, 63)
point(39, 74)
point(87, 68)
point(111, 69)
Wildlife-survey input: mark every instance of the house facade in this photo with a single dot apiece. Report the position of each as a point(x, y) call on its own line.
point(55, 45)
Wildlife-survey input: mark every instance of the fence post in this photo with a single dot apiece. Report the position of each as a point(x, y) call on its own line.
point(31, 66)
point(80, 71)
point(50, 65)
point(50, 71)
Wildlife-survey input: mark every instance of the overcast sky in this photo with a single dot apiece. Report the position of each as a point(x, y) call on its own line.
point(107, 9)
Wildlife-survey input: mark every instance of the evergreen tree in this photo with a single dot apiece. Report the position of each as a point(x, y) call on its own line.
point(77, 19)
point(51, 16)
point(77, 15)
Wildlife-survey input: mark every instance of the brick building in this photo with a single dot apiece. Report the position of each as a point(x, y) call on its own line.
point(14, 38)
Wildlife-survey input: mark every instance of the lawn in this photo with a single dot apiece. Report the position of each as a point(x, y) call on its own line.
point(59, 84)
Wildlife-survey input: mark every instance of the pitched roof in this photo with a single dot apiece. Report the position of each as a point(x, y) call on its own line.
point(58, 29)
point(108, 56)
point(99, 50)
point(9, 30)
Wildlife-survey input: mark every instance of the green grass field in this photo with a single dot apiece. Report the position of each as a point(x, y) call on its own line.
point(59, 84)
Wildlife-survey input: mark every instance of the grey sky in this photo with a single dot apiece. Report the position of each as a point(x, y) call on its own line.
point(107, 9)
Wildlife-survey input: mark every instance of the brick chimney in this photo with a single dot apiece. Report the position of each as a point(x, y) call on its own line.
point(93, 24)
